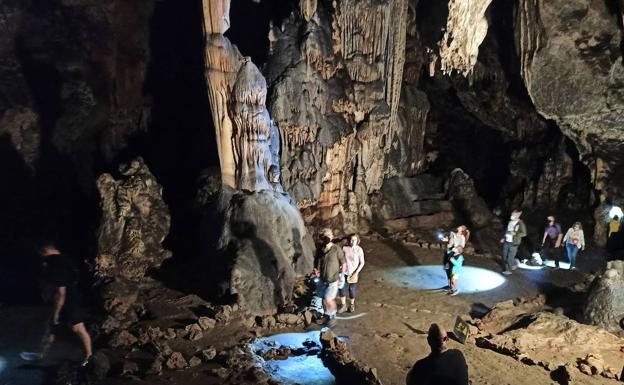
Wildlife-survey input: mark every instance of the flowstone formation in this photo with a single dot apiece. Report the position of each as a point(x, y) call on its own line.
point(135, 220)
point(263, 245)
point(346, 122)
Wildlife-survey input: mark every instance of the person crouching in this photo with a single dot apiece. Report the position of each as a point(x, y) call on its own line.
point(457, 261)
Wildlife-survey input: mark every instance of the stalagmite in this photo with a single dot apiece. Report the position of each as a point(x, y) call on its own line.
point(263, 237)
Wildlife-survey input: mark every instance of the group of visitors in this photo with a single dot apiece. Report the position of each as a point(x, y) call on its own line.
point(554, 241)
point(338, 271)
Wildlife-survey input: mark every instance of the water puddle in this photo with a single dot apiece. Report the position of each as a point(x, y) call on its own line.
point(293, 358)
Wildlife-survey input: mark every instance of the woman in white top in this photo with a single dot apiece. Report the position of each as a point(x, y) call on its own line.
point(354, 255)
point(574, 241)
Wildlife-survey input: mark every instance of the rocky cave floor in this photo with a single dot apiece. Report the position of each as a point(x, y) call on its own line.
point(390, 336)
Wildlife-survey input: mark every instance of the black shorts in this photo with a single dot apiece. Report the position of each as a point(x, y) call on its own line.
point(71, 314)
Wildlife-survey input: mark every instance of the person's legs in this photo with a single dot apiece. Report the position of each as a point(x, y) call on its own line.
point(85, 338)
point(511, 256)
point(569, 250)
point(343, 298)
point(573, 253)
point(505, 254)
point(329, 300)
point(352, 288)
point(454, 280)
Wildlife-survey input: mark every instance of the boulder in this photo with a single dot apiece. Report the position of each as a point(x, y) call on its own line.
point(604, 305)
point(264, 248)
point(340, 361)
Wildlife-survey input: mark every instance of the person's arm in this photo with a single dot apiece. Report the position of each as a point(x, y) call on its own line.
point(343, 262)
point(567, 235)
point(361, 261)
point(522, 231)
point(582, 239)
point(59, 302)
point(544, 238)
point(467, 237)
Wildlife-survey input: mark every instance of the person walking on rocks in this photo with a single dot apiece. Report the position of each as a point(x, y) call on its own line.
point(354, 256)
point(60, 279)
point(516, 230)
point(443, 366)
point(330, 267)
point(574, 241)
point(551, 242)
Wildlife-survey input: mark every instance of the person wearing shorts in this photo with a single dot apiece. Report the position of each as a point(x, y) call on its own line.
point(330, 267)
point(60, 279)
point(354, 256)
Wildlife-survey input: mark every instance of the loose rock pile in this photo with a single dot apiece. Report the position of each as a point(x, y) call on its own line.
point(524, 331)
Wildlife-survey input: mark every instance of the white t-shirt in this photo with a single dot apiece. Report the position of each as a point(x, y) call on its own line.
point(354, 256)
point(511, 226)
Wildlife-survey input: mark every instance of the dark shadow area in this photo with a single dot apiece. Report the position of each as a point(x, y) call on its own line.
point(478, 310)
point(403, 252)
point(180, 141)
point(249, 25)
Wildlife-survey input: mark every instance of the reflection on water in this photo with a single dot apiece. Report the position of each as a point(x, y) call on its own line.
point(429, 277)
point(304, 369)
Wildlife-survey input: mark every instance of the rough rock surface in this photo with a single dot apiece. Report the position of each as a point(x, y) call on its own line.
point(264, 244)
point(340, 361)
point(604, 305)
point(466, 28)
point(346, 122)
point(571, 63)
point(265, 248)
point(134, 222)
point(541, 338)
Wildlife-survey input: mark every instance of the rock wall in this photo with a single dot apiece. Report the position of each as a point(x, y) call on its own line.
point(571, 63)
point(345, 119)
point(134, 222)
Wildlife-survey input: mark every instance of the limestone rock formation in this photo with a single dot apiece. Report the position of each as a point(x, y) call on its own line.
point(486, 227)
point(534, 336)
point(571, 63)
point(604, 305)
point(346, 122)
point(416, 202)
point(465, 30)
point(135, 220)
point(267, 247)
point(263, 245)
point(340, 361)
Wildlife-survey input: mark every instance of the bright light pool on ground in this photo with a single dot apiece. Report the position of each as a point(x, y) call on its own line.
point(430, 277)
point(547, 263)
point(304, 370)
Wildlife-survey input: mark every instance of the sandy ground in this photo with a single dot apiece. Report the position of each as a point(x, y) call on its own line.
point(390, 336)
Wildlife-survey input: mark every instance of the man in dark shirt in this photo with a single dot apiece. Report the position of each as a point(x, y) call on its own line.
point(330, 266)
point(60, 279)
point(442, 366)
point(551, 243)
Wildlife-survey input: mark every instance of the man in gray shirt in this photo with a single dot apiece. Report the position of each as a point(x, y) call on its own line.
point(330, 267)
